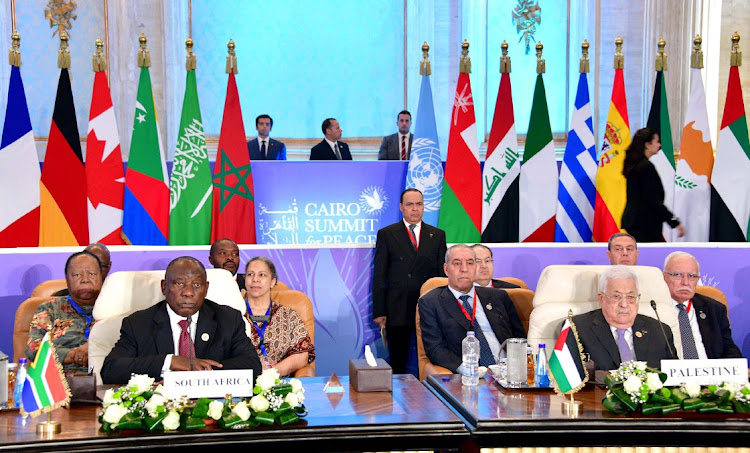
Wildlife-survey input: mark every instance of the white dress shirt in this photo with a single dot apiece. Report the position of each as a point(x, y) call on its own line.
point(174, 323)
point(483, 322)
point(417, 230)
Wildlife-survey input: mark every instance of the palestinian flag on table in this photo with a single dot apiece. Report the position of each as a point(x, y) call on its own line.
point(45, 388)
point(658, 120)
point(565, 364)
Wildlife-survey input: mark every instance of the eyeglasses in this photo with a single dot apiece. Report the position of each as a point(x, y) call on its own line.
point(681, 275)
point(617, 298)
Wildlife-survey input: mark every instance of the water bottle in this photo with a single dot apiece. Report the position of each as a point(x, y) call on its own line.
point(542, 379)
point(20, 379)
point(470, 357)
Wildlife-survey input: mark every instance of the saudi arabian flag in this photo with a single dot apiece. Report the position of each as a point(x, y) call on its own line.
point(658, 120)
point(191, 186)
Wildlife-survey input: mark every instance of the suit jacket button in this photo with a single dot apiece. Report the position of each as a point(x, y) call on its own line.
point(408, 275)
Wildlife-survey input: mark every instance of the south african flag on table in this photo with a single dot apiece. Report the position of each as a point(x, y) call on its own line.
point(45, 388)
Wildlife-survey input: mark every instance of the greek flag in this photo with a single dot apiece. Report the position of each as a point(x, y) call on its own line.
point(425, 170)
point(577, 190)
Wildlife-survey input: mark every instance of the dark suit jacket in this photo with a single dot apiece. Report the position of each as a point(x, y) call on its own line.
point(497, 283)
point(444, 325)
point(400, 270)
point(241, 281)
point(597, 340)
point(390, 148)
point(276, 150)
point(322, 151)
point(713, 322)
point(146, 339)
point(644, 211)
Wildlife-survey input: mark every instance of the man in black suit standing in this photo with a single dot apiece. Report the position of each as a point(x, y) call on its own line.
point(486, 269)
point(616, 333)
point(264, 147)
point(407, 254)
point(398, 146)
point(448, 312)
point(225, 254)
point(704, 322)
point(331, 148)
point(185, 332)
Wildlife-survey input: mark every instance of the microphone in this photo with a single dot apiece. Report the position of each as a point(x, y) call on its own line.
point(663, 332)
point(190, 335)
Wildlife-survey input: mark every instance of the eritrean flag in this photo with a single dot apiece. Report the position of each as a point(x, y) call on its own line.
point(565, 364)
point(45, 388)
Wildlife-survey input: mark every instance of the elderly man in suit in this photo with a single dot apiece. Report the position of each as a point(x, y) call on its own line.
point(184, 332)
point(398, 146)
point(407, 254)
point(331, 148)
point(704, 323)
point(616, 333)
point(448, 312)
point(264, 147)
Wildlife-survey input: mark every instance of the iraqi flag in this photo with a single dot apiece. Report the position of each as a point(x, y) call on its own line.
point(105, 177)
point(45, 388)
point(502, 168)
point(63, 219)
point(233, 200)
point(565, 365)
point(19, 171)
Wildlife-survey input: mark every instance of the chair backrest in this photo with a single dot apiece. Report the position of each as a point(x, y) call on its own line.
point(713, 293)
point(124, 293)
point(515, 281)
point(48, 288)
point(21, 327)
point(299, 302)
point(423, 363)
point(523, 300)
point(575, 287)
point(432, 283)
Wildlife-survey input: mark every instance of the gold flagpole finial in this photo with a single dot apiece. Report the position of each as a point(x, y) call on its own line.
point(619, 57)
point(63, 55)
point(14, 55)
point(190, 61)
point(144, 57)
point(100, 63)
point(231, 58)
point(696, 56)
point(504, 59)
point(583, 68)
point(735, 58)
point(541, 66)
point(570, 314)
point(661, 56)
point(424, 65)
point(465, 64)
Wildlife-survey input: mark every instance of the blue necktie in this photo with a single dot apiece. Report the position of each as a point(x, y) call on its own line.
point(486, 358)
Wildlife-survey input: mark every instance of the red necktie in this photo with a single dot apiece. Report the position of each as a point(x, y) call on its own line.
point(403, 147)
point(186, 348)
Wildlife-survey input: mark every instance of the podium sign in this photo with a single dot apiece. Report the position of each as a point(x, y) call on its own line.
point(705, 372)
point(208, 384)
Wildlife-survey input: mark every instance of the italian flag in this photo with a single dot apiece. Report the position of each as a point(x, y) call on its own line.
point(539, 178)
point(658, 120)
point(565, 364)
point(730, 191)
point(45, 388)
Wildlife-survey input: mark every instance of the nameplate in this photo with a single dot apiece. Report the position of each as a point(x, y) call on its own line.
point(705, 372)
point(209, 384)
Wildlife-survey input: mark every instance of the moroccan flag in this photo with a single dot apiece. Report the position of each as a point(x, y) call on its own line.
point(501, 170)
point(191, 187)
point(577, 190)
point(692, 197)
point(538, 184)
point(610, 183)
point(105, 178)
point(565, 365)
point(233, 201)
point(19, 171)
point(63, 218)
point(146, 207)
point(461, 206)
point(658, 120)
point(730, 184)
point(45, 388)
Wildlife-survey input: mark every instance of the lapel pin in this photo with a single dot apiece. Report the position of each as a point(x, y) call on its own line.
point(639, 334)
point(702, 315)
point(430, 235)
point(488, 307)
point(204, 337)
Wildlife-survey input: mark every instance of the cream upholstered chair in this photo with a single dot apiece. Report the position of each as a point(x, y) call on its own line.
point(124, 293)
point(575, 287)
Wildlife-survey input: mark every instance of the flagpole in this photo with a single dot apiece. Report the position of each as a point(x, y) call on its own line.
point(13, 15)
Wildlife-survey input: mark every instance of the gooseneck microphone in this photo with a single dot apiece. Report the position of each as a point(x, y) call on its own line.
point(663, 332)
point(190, 336)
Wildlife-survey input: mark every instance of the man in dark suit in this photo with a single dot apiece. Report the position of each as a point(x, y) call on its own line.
point(264, 147)
point(622, 249)
point(448, 312)
point(407, 254)
point(398, 146)
point(704, 328)
point(331, 148)
point(182, 333)
point(225, 254)
point(616, 333)
point(486, 269)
